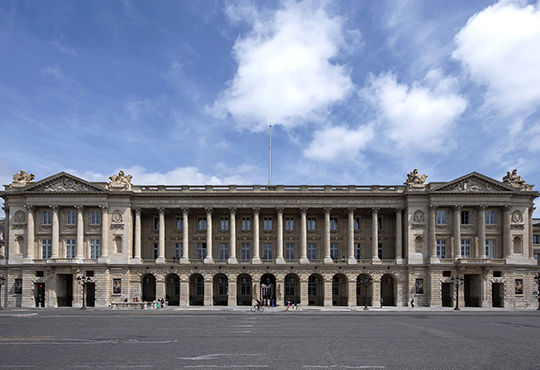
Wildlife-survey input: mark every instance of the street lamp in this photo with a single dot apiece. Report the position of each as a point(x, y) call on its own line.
point(2, 282)
point(84, 280)
point(365, 281)
point(457, 281)
point(537, 279)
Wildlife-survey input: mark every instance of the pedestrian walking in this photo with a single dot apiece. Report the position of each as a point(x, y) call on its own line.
point(381, 302)
point(413, 303)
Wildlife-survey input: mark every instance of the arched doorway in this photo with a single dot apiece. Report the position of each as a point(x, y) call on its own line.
point(387, 290)
point(196, 290)
point(315, 290)
point(243, 290)
point(268, 287)
point(292, 288)
point(340, 290)
point(221, 290)
point(364, 294)
point(148, 288)
point(172, 289)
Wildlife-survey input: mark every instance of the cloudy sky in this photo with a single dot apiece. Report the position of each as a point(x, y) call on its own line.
point(184, 92)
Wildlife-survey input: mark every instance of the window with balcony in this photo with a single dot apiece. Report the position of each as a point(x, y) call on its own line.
point(70, 248)
point(289, 251)
point(312, 251)
point(267, 251)
point(465, 248)
point(357, 251)
point(201, 251)
point(178, 250)
point(334, 247)
point(490, 248)
point(223, 251)
point(441, 248)
point(245, 251)
point(46, 248)
point(95, 248)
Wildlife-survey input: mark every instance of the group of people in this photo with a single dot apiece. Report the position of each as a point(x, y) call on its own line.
point(291, 306)
point(161, 303)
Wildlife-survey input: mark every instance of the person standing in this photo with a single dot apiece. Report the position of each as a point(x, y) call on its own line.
point(381, 302)
point(413, 303)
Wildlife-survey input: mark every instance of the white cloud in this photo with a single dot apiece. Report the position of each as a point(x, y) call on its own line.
point(500, 48)
point(336, 142)
point(286, 74)
point(417, 117)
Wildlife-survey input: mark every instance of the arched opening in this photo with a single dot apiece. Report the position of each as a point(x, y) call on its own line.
point(364, 290)
point(315, 290)
point(292, 288)
point(243, 290)
point(268, 289)
point(387, 290)
point(340, 290)
point(148, 288)
point(172, 289)
point(196, 290)
point(221, 290)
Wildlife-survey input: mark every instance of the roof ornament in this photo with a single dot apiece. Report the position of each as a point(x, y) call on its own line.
point(415, 180)
point(515, 180)
point(21, 179)
point(120, 181)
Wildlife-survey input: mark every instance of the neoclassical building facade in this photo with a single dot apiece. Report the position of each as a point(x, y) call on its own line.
point(228, 245)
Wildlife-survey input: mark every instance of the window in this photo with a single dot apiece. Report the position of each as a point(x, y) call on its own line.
point(95, 248)
point(95, 218)
point(267, 251)
point(47, 217)
point(289, 251)
point(379, 223)
point(312, 286)
point(441, 217)
point(246, 223)
point(70, 248)
point(71, 218)
point(156, 250)
point(311, 223)
point(334, 247)
point(223, 286)
point(200, 286)
point(357, 251)
point(245, 251)
point(201, 224)
point(333, 223)
point(178, 250)
point(380, 251)
point(117, 286)
point(465, 218)
point(289, 286)
point(201, 251)
point(465, 248)
point(536, 239)
point(490, 248)
point(18, 286)
point(490, 217)
point(357, 223)
point(179, 223)
point(441, 248)
point(312, 251)
point(46, 248)
point(519, 286)
point(267, 223)
point(335, 285)
point(245, 286)
point(156, 223)
point(223, 251)
point(224, 223)
point(289, 223)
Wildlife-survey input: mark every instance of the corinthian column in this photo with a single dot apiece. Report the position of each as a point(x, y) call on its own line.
point(279, 259)
point(399, 235)
point(327, 258)
point(55, 232)
point(507, 249)
point(482, 232)
point(457, 231)
point(30, 234)
point(161, 246)
point(432, 233)
point(104, 233)
point(352, 259)
point(256, 260)
point(79, 246)
point(208, 258)
point(232, 243)
point(375, 235)
point(303, 236)
point(185, 236)
point(137, 256)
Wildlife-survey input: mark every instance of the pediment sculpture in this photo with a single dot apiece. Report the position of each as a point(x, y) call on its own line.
point(21, 179)
point(416, 180)
point(120, 181)
point(66, 185)
point(515, 180)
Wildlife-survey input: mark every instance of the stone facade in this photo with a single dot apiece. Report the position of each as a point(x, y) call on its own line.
point(229, 245)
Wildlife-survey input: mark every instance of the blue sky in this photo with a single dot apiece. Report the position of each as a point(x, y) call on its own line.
point(357, 92)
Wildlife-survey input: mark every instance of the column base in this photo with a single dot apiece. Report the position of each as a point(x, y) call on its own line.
point(328, 261)
point(160, 260)
point(304, 261)
point(184, 261)
point(256, 261)
point(208, 260)
point(376, 261)
point(434, 260)
point(232, 261)
point(135, 261)
point(103, 259)
point(399, 261)
point(351, 261)
point(280, 261)
point(27, 260)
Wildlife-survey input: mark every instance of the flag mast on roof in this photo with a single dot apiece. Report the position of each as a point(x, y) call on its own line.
point(270, 160)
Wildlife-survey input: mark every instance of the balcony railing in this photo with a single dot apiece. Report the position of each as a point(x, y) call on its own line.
point(272, 188)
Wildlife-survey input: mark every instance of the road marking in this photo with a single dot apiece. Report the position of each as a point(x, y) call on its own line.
point(214, 355)
point(225, 366)
point(342, 367)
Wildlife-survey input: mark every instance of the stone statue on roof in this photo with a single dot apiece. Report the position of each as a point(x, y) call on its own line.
point(416, 180)
point(120, 181)
point(513, 179)
point(21, 179)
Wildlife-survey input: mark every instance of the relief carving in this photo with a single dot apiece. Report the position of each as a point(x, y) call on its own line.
point(517, 217)
point(117, 217)
point(468, 185)
point(66, 185)
point(19, 217)
point(419, 216)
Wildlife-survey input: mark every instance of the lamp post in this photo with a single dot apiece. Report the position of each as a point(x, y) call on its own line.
point(365, 281)
point(537, 279)
point(2, 282)
point(84, 280)
point(457, 281)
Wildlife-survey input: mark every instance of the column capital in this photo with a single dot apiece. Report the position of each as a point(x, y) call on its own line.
point(30, 208)
point(375, 209)
point(399, 209)
point(327, 210)
point(303, 210)
point(161, 210)
point(209, 210)
point(507, 208)
point(137, 210)
point(54, 207)
point(457, 208)
point(482, 207)
point(279, 210)
point(104, 207)
point(256, 210)
point(79, 207)
point(351, 210)
point(185, 211)
point(232, 210)
point(433, 207)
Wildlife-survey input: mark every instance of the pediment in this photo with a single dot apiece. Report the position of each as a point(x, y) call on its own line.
point(63, 183)
point(474, 183)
